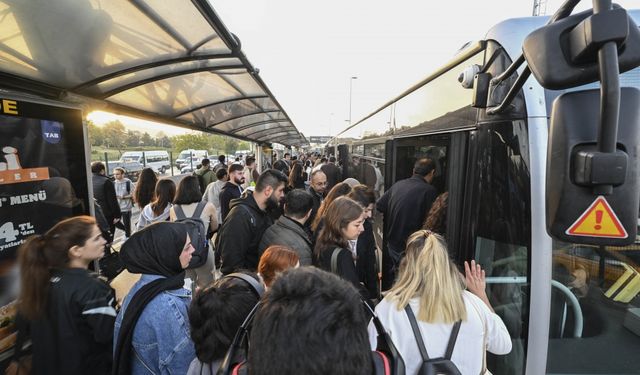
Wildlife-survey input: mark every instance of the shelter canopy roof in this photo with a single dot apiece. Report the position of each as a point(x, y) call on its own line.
point(167, 61)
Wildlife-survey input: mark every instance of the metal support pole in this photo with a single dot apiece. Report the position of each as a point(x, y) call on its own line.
point(350, 95)
point(609, 95)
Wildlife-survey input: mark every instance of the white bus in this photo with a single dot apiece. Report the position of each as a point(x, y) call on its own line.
point(156, 160)
point(570, 308)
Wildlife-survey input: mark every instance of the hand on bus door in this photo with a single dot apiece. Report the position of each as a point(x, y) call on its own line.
point(476, 281)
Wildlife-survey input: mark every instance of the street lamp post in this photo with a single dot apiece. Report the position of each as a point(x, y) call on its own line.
point(350, 95)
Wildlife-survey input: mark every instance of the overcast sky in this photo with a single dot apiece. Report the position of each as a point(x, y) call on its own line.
point(307, 51)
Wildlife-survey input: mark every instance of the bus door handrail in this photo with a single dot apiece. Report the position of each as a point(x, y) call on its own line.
point(573, 300)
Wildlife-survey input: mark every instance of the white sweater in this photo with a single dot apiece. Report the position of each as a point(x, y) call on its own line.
point(148, 217)
point(467, 353)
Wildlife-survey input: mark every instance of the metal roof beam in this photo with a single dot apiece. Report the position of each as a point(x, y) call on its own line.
point(155, 64)
point(276, 130)
point(165, 76)
point(245, 115)
point(221, 102)
point(249, 126)
point(155, 17)
point(277, 134)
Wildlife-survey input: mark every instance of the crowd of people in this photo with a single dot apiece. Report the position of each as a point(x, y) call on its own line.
point(289, 251)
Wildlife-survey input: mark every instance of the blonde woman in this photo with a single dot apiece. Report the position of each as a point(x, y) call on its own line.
point(431, 285)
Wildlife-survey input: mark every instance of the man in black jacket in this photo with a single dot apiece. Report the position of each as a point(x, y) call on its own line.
point(232, 189)
point(405, 206)
point(105, 193)
point(247, 220)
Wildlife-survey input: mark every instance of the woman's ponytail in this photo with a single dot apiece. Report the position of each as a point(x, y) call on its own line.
point(42, 253)
point(34, 276)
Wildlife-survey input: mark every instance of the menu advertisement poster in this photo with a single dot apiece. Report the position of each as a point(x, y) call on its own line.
point(43, 180)
point(43, 176)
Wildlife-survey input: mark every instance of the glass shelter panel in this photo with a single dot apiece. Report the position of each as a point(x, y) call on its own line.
point(177, 94)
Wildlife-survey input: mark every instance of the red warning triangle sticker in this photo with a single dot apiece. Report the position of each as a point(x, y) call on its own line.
point(599, 220)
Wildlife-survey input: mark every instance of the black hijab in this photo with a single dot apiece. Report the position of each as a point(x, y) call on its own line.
point(155, 250)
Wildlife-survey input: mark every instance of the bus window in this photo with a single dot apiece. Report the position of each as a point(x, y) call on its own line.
point(594, 325)
point(496, 228)
point(411, 149)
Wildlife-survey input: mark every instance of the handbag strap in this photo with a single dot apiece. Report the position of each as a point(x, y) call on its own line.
point(334, 260)
point(416, 334)
point(484, 337)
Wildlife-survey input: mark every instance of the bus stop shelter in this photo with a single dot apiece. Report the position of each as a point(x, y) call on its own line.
point(173, 62)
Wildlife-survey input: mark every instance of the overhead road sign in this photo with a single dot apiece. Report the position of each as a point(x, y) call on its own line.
point(319, 139)
point(172, 62)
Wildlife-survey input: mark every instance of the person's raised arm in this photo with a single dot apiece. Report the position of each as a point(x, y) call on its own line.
point(476, 281)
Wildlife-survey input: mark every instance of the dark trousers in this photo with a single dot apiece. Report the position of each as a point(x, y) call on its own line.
point(390, 264)
point(125, 223)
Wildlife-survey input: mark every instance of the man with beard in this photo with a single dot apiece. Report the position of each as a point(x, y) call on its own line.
point(232, 189)
point(242, 230)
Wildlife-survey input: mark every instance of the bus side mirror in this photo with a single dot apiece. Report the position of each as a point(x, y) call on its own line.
point(574, 166)
point(563, 54)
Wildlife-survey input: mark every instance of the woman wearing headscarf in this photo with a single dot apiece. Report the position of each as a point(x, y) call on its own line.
point(152, 330)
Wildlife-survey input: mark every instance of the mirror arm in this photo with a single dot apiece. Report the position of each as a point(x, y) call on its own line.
point(563, 12)
point(609, 95)
point(513, 91)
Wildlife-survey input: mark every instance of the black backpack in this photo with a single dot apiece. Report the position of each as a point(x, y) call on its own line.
point(201, 181)
point(434, 366)
point(197, 233)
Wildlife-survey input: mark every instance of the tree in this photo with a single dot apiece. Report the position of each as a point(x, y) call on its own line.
point(146, 139)
point(163, 142)
point(133, 138)
point(187, 141)
point(114, 134)
point(231, 145)
point(96, 134)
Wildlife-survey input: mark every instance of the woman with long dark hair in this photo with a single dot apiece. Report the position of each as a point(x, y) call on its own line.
point(152, 331)
point(342, 223)
point(69, 312)
point(296, 179)
point(366, 242)
point(188, 202)
point(158, 209)
point(143, 193)
point(339, 190)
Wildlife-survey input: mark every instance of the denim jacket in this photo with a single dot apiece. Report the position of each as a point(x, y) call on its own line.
point(161, 340)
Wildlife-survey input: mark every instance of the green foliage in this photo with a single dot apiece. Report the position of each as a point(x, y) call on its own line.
point(114, 134)
point(187, 141)
point(133, 138)
point(96, 134)
point(146, 139)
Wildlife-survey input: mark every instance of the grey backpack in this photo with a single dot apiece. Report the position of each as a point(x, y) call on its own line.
point(197, 233)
